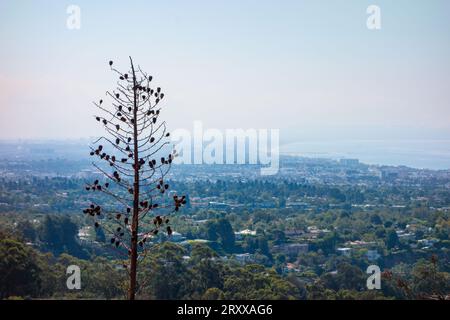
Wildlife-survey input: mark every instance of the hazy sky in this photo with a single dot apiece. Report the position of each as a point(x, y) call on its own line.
point(307, 67)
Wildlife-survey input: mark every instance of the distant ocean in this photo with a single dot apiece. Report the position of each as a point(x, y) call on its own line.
point(424, 154)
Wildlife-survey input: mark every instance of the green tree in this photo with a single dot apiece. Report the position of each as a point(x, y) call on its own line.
point(164, 275)
point(27, 230)
point(19, 271)
point(391, 239)
point(213, 294)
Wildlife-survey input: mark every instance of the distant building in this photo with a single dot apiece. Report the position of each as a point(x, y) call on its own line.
point(244, 258)
point(243, 233)
point(291, 248)
point(314, 232)
point(372, 255)
point(290, 267)
point(293, 232)
point(297, 204)
point(427, 242)
point(218, 205)
point(84, 233)
point(176, 237)
point(347, 252)
point(405, 236)
point(359, 243)
point(349, 162)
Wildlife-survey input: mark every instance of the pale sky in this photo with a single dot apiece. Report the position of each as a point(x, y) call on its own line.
point(311, 68)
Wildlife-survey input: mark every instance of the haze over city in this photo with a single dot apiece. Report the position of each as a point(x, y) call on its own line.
point(314, 71)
